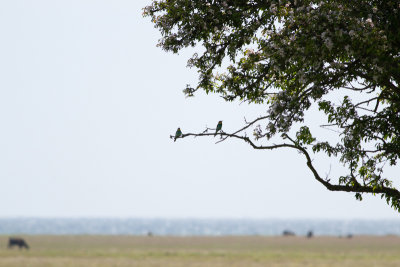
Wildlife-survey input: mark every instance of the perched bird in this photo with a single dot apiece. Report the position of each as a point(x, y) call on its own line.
point(177, 134)
point(219, 127)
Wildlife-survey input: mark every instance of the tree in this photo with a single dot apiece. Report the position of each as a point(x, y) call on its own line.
point(292, 56)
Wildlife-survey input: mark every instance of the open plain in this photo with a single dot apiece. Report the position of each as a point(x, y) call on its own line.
point(229, 251)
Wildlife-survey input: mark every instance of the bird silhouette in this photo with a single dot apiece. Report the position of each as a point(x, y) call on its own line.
point(219, 127)
point(177, 134)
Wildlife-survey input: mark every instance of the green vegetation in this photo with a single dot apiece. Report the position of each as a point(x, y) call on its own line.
point(339, 59)
point(106, 251)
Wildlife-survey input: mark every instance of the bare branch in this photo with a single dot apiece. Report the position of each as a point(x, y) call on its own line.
point(356, 187)
point(245, 127)
point(244, 138)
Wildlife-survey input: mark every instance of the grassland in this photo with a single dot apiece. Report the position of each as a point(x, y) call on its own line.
point(121, 251)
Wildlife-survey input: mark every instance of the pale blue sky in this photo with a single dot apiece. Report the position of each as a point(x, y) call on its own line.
point(87, 104)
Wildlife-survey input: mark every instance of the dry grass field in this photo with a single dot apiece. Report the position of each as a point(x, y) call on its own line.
point(121, 251)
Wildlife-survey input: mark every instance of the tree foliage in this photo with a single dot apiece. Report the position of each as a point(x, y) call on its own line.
point(292, 56)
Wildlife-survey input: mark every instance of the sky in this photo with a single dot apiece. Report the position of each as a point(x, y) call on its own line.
point(87, 105)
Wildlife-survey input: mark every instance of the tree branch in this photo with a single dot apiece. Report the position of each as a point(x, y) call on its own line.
point(244, 138)
point(356, 188)
point(245, 127)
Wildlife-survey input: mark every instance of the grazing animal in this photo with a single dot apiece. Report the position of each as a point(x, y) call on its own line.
point(16, 241)
point(310, 234)
point(288, 233)
point(349, 236)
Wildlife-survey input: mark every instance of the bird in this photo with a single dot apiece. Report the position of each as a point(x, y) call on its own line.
point(219, 127)
point(177, 134)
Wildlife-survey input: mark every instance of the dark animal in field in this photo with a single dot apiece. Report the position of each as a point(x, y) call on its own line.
point(288, 233)
point(16, 241)
point(310, 234)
